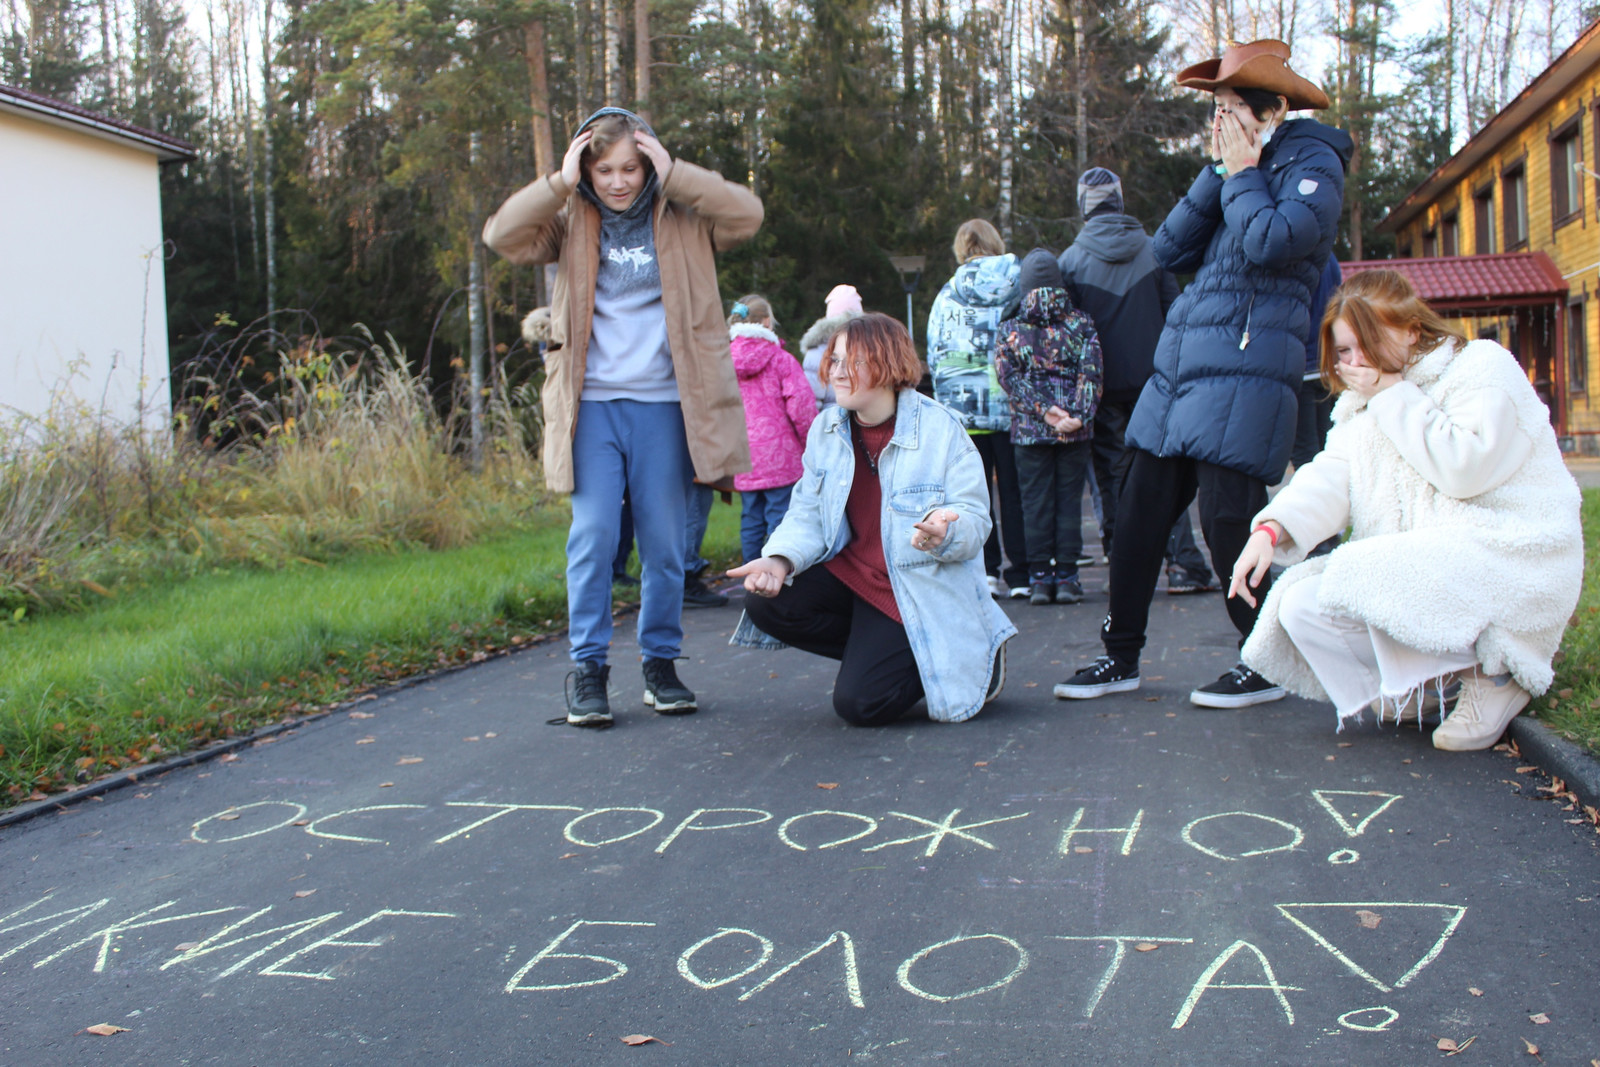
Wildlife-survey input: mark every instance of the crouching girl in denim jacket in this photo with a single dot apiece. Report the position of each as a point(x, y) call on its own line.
point(878, 563)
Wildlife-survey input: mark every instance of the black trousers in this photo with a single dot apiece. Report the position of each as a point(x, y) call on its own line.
point(1154, 494)
point(1052, 500)
point(878, 680)
point(1000, 470)
point(1111, 461)
point(1311, 427)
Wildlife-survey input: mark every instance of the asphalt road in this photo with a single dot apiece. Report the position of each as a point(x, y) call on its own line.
point(437, 876)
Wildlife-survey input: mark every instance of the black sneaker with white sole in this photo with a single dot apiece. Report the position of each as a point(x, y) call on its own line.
point(1239, 688)
point(1105, 675)
point(663, 691)
point(585, 691)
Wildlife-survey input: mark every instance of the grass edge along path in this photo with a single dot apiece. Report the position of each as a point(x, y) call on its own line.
point(1571, 707)
point(165, 670)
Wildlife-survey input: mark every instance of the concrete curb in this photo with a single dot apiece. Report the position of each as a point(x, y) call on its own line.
point(1558, 757)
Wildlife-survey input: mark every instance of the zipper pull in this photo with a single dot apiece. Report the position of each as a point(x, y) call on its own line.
point(1244, 339)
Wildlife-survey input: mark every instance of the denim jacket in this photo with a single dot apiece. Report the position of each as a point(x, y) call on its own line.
point(952, 622)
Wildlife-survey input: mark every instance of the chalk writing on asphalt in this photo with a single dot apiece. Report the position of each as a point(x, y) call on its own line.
point(244, 941)
point(1238, 963)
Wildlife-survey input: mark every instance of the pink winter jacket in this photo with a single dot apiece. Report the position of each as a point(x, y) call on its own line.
point(778, 407)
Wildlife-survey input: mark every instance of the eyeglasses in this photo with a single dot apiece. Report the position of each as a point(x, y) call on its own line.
point(835, 363)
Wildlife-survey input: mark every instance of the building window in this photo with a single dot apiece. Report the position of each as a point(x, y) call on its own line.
point(1483, 219)
point(1566, 188)
point(1430, 243)
point(1405, 249)
point(1514, 205)
point(1577, 348)
point(1450, 235)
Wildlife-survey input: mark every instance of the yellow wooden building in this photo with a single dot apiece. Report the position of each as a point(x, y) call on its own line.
point(1505, 235)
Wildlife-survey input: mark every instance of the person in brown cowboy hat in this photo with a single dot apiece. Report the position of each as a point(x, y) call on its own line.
point(1217, 418)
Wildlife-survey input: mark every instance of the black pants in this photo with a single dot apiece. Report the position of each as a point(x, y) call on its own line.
point(1154, 494)
point(878, 680)
point(1311, 428)
point(1052, 502)
point(1000, 470)
point(1111, 459)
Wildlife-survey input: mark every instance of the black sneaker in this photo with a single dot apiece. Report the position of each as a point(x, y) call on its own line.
point(586, 694)
point(1069, 590)
point(1105, 675)
point(1181, 583)
point(663, 691)
point(997, 676)
point(1239, 688)
point(696, 594)
point(1042, 593)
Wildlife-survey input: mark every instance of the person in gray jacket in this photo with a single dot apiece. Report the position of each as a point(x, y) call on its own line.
point(1113, 277)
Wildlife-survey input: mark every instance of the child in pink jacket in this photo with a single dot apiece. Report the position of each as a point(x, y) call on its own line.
point(778, 409)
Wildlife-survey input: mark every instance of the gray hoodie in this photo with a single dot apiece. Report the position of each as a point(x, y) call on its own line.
point(628, 358)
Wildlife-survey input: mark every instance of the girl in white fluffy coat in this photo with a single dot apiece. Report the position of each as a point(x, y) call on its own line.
point(1465, 554)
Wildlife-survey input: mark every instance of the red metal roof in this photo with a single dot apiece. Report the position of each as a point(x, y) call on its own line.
point(1476, 283)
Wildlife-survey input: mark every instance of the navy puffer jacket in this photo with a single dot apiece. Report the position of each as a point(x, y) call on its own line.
point(1229, 363)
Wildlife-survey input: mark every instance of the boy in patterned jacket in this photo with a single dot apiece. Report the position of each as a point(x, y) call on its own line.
point(1048, 363)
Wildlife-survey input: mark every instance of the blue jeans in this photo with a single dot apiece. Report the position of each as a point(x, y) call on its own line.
point(626, 444)
point(699, 517)
point(760, 512)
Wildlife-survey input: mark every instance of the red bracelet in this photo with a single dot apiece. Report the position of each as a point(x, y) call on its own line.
point(1270, 533)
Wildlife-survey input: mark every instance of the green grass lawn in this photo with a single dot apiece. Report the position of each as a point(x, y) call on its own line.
point(155, 671)
point(1572, 706)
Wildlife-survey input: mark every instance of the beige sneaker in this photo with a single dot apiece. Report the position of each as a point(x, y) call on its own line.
point(1482, 712)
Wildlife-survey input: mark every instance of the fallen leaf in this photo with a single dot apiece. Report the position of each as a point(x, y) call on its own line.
point(568, 855)
point(231, 757)
point(405, 761)
point(143, 796)
point(228, 817)
point(1447, 1044)
point(301, 822)
point(827, 785)
point(981, 763)
point(1526, 770)
point(1475, 991)
point(298, 893)
point(1538, 1018)
point(1030, 685)
point(491, 733)
point(1149, 733)
point(1346, 744)
point(185, 946)
point(105, 1029)
point(641, 1039)
point(1533, 1050)
point(1330, 758)
point(1369, 920)
point(369, 739)
point(363, 715)
point(469, 739)
point(1082, 849)
point(385, 785)
point(1145, 946)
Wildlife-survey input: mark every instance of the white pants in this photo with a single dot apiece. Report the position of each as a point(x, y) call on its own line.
point(1356, 663)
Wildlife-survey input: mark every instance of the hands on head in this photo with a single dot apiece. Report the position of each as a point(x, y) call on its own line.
point(1252, 564)
point(649, 147)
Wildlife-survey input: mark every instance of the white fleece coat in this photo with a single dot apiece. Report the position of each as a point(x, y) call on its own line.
point(1464, 522)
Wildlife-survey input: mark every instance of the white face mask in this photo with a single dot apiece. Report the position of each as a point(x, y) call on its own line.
point(1266, 134)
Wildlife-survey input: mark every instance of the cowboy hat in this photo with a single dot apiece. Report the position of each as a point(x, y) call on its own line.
point(1257, 65)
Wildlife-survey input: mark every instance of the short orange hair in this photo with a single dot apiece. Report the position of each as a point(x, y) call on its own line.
point(1369, 302)
point(879, 349)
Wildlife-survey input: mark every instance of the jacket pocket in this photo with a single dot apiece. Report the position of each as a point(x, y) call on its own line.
point(917, 500)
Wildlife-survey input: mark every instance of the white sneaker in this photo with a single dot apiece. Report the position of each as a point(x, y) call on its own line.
point(997, 587)
point(1019, 592)
point(1418, 708)
point(1482, 712)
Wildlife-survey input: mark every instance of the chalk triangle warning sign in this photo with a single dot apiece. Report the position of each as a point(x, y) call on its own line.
point(1385, 942)
point(1346, 805)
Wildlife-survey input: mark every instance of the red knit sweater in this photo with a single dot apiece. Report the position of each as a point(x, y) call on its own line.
point(861, 565)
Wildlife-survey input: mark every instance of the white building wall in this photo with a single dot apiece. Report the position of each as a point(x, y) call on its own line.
point(82, 286)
